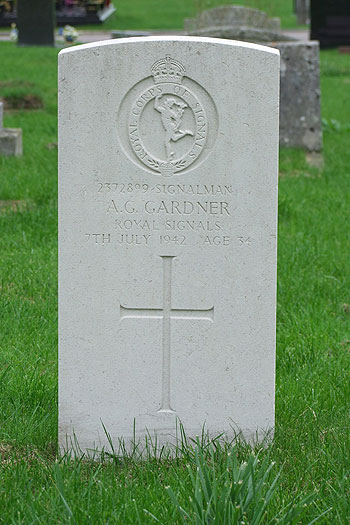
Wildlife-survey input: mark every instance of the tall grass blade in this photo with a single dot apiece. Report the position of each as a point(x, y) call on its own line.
point(60, 488)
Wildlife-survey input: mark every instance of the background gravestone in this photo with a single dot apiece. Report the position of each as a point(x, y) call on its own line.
point(235, 22)
point(36, 23)
point(302, 11)
point(167, 231)
point(300, 108)
point(300, 96)
point(330, 22)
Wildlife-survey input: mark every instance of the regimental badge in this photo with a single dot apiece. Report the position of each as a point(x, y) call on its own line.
point(167, 124)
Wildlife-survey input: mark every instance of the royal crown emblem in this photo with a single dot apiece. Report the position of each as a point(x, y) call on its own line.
point(167, 70)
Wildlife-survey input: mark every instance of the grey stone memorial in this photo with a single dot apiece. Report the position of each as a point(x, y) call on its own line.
point(10, 138)
point(168, 169)
point(300, 103)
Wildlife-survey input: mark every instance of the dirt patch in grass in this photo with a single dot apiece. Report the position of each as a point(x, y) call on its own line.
point(346, 308)
point(27, 101)
point(11, 455)
point(52, 145)
point(15, 84)
point(5, 453)
point(298, 173)
point(15, 206)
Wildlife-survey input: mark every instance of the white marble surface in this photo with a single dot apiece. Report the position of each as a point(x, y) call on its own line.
point(168, 152)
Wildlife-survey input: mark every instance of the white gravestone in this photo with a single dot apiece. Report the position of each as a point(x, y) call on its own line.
point(167, 220)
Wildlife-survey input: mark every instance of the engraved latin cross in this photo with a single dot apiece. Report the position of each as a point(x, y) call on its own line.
point(166, 313)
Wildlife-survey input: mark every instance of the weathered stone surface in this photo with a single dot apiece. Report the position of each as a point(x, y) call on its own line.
point(245, 34)
point(11, 142)
point(236, 23)
point(10, 138)
point(233, 15)
point(167, 234)
point(300, 105)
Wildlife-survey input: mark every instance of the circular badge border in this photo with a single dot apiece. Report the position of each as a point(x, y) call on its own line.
point(123, 114)
point(134, 120)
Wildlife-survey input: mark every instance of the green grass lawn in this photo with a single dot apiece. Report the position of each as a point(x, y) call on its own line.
point(312, 438)
point(170, 14)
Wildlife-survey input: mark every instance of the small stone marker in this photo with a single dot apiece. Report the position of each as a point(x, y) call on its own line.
point(168, 152)
point(10, 138)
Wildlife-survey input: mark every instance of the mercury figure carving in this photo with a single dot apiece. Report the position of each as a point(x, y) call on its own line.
point(171, 111)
